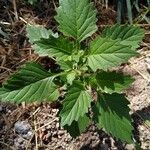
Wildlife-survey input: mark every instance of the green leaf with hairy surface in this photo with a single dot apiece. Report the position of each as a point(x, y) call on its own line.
point(76, 18)
point(112, 82)
point(76, 57)
point(71, 77)
point(81, 71)
point(35, 33)
point(106, 53)
point(78, 127)
point(127, 35)
point(31, 83)
point(112, 113)
point(59, 47)
point(76, 103)
point(2, 91)
point(65, 65)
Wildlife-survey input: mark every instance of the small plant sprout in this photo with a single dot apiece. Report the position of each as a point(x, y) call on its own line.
point(93, 92)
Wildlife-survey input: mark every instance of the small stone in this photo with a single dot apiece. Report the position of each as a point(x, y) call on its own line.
point(22, 127)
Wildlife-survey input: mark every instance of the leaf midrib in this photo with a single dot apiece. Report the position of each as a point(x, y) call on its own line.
point(57, 48)
point(52, 77)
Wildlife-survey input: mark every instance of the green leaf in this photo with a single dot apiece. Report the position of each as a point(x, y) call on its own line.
point(35, 33)
point(65, 65)
point(71, 77)
point(59, 47)
point(76, 18)
point(78, 127)
point(112, 82)
point(47, 43)
point(76, 104)
point(31, 83)
point(106, 53)
point(71, 61)
point(76, 57)
point(127, 35)
point(112, 114)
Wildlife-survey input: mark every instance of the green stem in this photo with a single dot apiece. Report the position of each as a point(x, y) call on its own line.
point(60, 74)
point(77, 46)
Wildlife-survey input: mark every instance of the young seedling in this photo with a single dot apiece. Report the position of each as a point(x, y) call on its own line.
point(85, 71)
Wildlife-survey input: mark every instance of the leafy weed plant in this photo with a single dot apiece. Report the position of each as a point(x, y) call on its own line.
point(85, 71)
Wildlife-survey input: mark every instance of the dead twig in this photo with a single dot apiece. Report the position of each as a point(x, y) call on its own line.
point(4, 68)
point(46, 124)
point(23, 20)
point(15, 10)
point(5, 23)
point(36, 136)
point(30, 141)
point(35, 112)
point(143, 120)
point(140, 73)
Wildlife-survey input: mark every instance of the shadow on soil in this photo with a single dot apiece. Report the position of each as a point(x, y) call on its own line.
point(139, 117)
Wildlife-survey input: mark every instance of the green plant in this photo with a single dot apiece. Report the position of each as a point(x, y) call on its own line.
point(85, 71)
